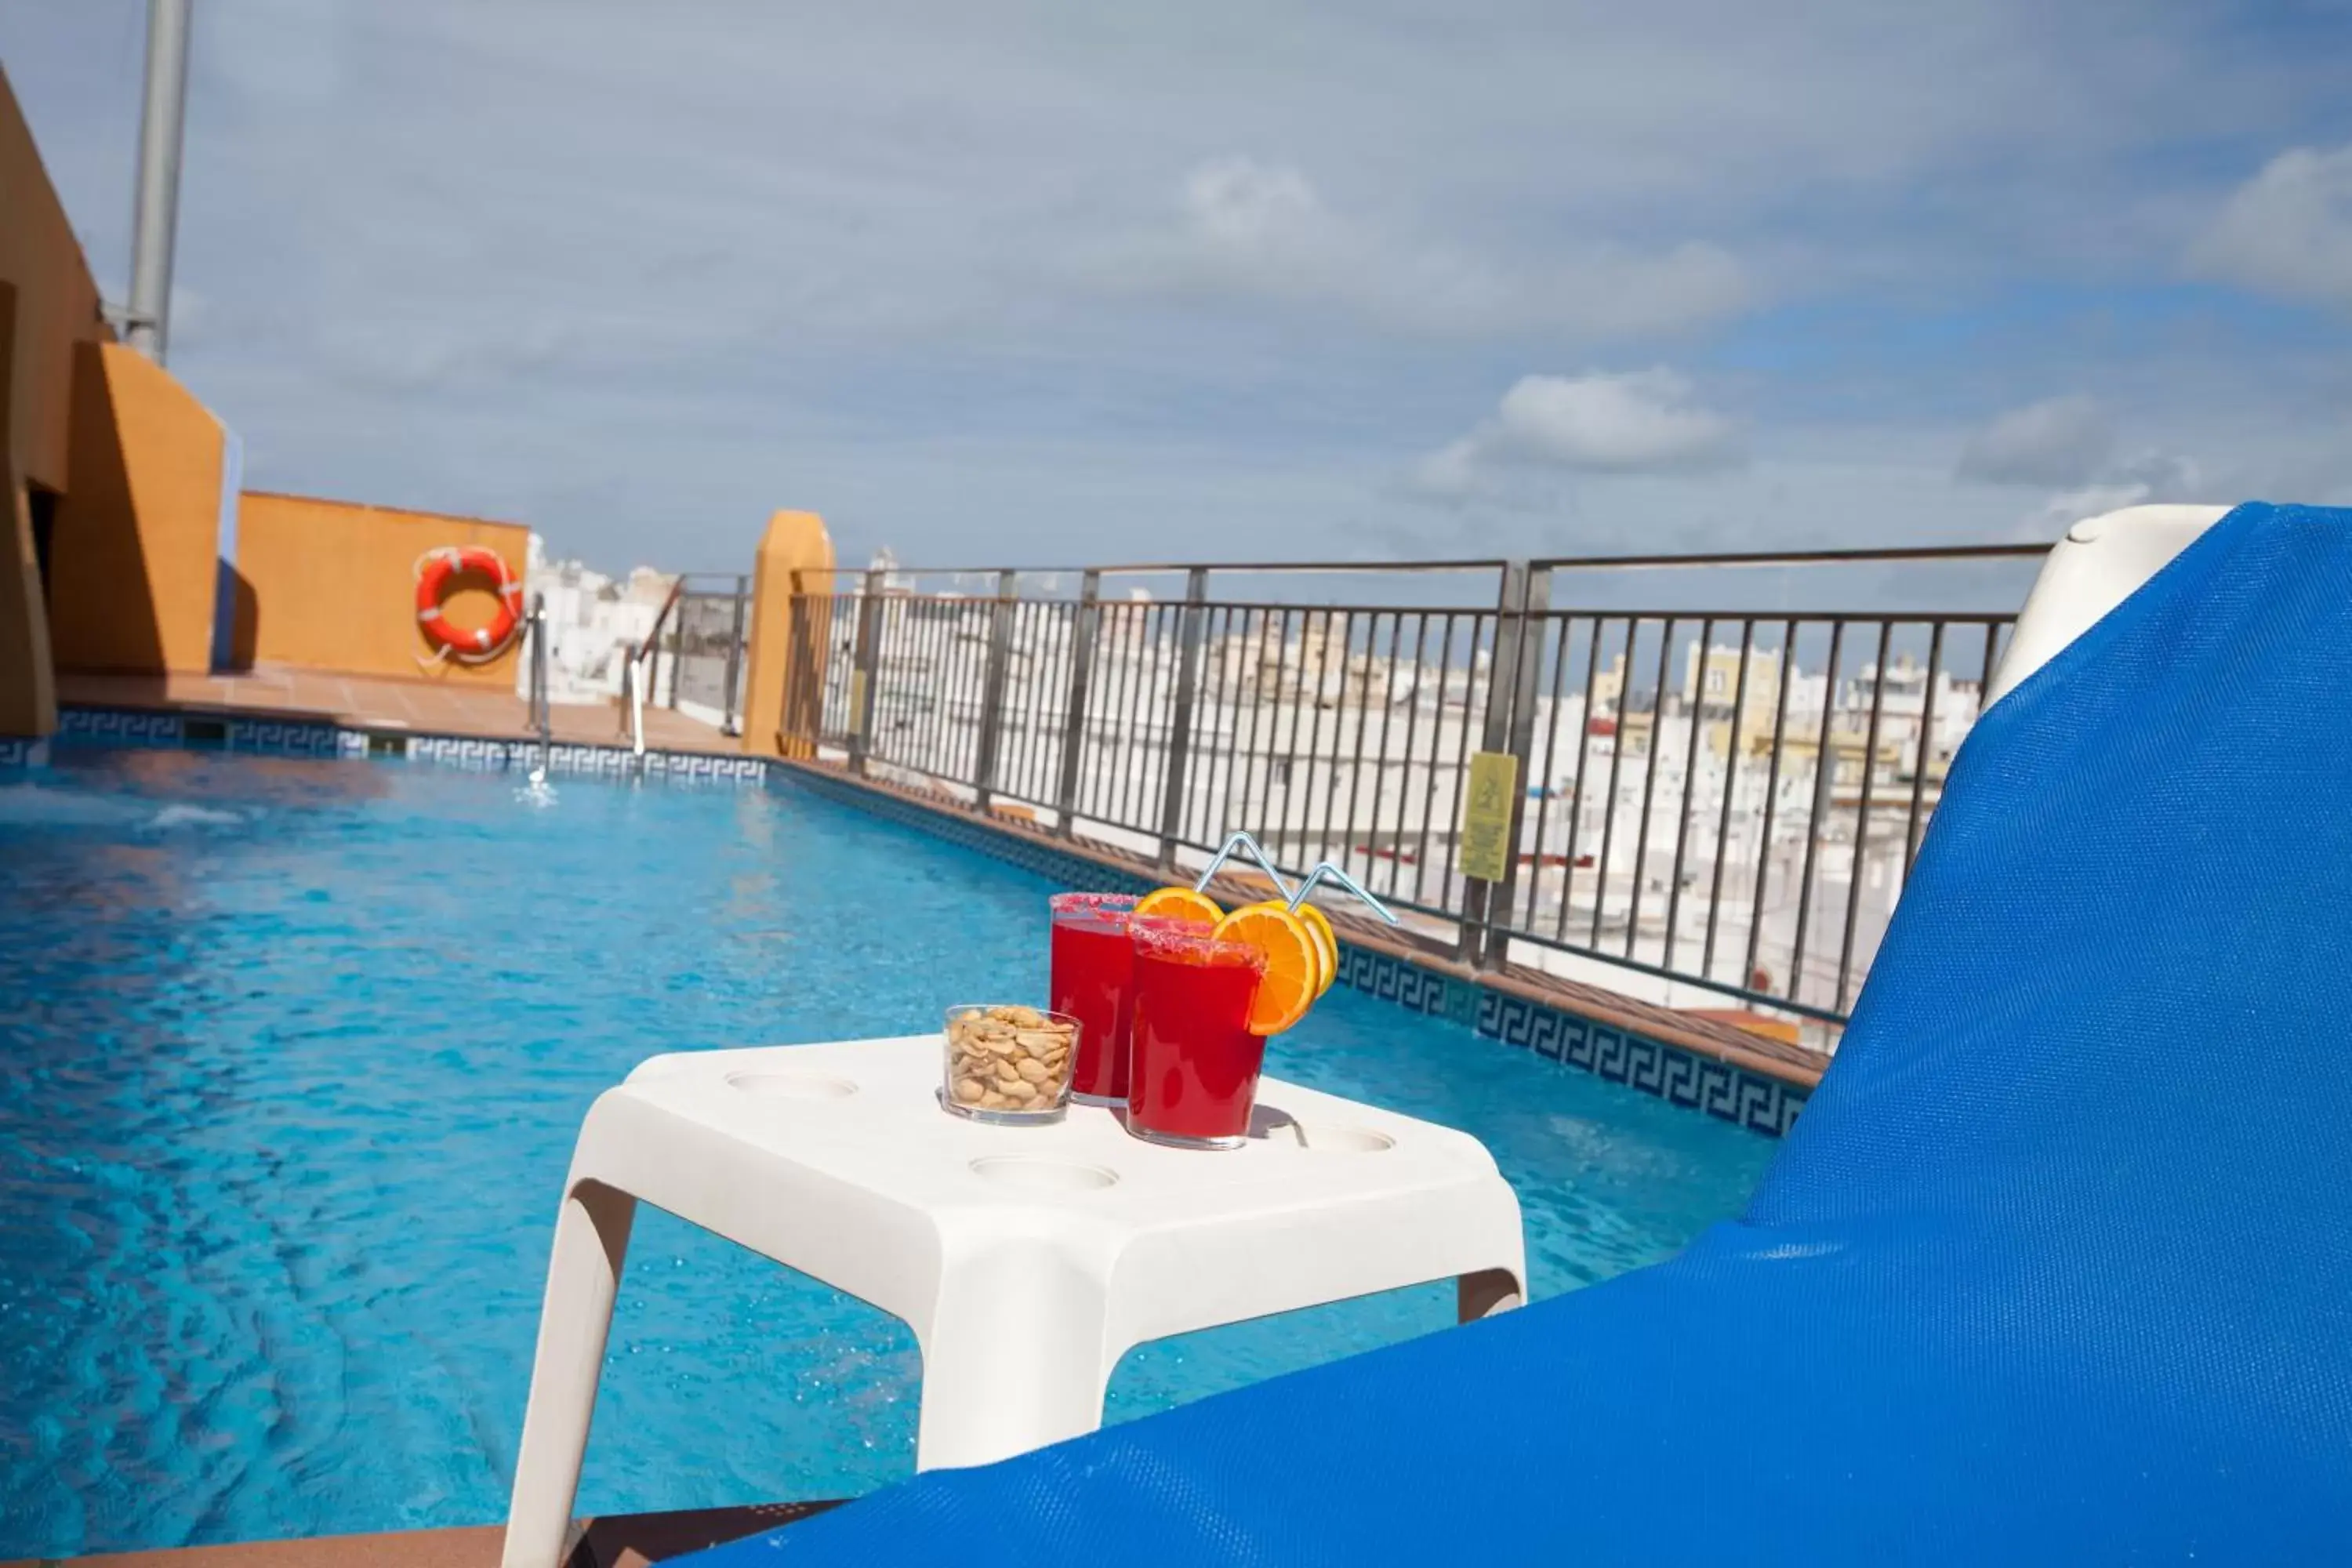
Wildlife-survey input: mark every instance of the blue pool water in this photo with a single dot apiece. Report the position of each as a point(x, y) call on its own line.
point(291, 1056)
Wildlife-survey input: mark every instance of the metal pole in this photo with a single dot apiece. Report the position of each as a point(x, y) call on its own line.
point(156, 213)
point(1495, 735)
point(653, 656)
point(865, 671)
point(735, 656)
point(539, 717)
point(676, 653)
point(1180, 732)
point(1528, 633)
point(1084, 628)
point(992, 689)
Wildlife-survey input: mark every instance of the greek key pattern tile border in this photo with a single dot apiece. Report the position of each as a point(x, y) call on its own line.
point(1681, 1077)
point(259, 737)
point(610, 762)
point(117, 727)
point(298, 738)
point(271, 738)
point(22, 752)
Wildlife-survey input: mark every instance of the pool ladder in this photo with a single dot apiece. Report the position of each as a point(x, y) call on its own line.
point(633, 702)
point(538, 717)
point(641, 673)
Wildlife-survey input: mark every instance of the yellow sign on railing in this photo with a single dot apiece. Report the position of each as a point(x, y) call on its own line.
point(1486, 815)
point(857, 702)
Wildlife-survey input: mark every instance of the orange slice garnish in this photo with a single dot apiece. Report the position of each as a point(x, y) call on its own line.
point(1179, 904)
point(1326, 938)
point(1323, 969)
point(1293, 964)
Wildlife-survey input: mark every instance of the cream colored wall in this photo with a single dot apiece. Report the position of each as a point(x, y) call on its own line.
point(787, 655)
point(332, 586)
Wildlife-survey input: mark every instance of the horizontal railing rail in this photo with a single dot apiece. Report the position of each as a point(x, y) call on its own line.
point(1726, 802)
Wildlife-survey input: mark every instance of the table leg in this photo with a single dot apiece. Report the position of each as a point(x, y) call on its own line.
point(592, 1241)
point(1486, 1293)
point(1014, 1357)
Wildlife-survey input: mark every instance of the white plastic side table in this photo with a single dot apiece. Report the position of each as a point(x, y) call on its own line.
point(1028, 1260)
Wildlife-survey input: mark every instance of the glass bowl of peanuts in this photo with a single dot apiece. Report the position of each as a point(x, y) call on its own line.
point(1008, 1064)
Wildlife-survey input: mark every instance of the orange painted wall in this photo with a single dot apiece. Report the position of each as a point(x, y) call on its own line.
point(135, 564)
point(788, 633)
point(57, 302)
point(332, 586)
point(48, 305)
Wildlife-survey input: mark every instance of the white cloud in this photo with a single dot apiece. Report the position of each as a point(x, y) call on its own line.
point(2059, 441)
point(2068, 445)
point(2067, 507)
point(2152, 474)
point(1245, 229)
point(1643, 422)
point(702, 259)
point(2287, 231)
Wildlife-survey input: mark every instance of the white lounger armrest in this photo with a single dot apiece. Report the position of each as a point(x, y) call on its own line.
point(2100, 563)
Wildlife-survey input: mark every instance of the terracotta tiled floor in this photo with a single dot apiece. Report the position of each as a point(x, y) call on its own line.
point(428, 707)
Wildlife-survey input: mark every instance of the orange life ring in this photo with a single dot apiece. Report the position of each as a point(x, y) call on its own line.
point(434, 570)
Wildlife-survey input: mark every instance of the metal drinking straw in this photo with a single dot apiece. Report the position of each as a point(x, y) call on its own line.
point(1325, 871)
point(1243, 843)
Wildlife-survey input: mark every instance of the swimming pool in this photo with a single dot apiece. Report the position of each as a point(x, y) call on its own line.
point(294, 1054)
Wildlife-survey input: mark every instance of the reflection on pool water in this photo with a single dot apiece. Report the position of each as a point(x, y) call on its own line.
point(294, 1055)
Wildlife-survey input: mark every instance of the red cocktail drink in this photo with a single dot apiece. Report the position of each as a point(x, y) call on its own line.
point(1093, 960)
point(1193, 1063)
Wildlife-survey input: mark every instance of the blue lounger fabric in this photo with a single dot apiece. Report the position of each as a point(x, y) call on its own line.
point(2056, 1266)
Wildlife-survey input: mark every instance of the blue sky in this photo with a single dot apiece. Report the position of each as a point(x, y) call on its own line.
point(1062, 282)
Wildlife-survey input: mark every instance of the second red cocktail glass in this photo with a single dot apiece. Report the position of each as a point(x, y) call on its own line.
point(1193, 1062)
point(1092, 961)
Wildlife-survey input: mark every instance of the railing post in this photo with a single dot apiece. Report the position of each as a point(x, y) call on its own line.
point(1481, 899)
point(650, 655)
point(1085, 626)
point(992, 690)
point(677, 652)
point(1527, 630)
point(1180, 735)
point(735, 659)
point(862, 673)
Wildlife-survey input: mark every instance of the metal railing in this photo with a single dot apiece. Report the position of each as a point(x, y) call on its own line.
point(1725, 800)
point(702, 628)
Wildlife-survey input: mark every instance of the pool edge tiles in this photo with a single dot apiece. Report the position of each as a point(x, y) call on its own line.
point(1689, 1079)
point(97, 727)
point(493, 756)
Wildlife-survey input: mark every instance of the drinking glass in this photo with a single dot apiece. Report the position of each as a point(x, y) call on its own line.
point(1093, 960)
point(1192, 1061)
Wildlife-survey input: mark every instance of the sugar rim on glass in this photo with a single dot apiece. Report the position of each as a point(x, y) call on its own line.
point(1104, 907)
point(1181, 941)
